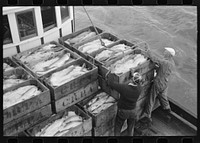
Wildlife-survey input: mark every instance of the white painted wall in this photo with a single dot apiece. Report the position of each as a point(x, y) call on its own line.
point(7, 52)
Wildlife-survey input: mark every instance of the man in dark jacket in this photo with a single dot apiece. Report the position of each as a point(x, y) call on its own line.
point(129, 94)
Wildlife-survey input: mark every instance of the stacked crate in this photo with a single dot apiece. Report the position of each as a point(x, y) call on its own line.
point(83, 129)
point(146, 69)
point(63, 97)
point(75, 90)
point(102, 122)
point(74, 47)
point(24, 114)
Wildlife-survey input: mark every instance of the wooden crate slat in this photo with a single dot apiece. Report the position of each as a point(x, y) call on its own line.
point(26, 121)
point(25, 107)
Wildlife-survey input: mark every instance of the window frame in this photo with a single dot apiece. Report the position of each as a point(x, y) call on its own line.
point(66, 18)
point(35, 24)
point(51, 26)
point(10, 32)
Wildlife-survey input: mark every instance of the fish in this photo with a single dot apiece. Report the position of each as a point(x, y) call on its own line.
point(20, 94)
point(61, 61)
point(81, 37)
point(101, 108)
point(7, 67)
point(104, 55)
point(73, 118)
point(93, 46)
point(45, 67)
point(66, 75)
point(38, 54)
point(125, 64)
point(11, 82)
point(51, 129)
point(97, 104)
point(61, 126)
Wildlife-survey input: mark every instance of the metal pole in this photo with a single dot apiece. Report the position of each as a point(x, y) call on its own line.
point(102, 43)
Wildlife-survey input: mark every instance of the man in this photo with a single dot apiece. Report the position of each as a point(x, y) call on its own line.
point(129, 94)
point(160, 85)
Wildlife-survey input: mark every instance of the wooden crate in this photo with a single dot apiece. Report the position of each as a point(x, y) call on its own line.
point(29, 105)
point(79, 130)
point(73, 56)
point(123, 78)
point(17, 57)
point(10, 62)
point(103, 116)
point(146, 85)
point(73, 85)
point(88, 134)
point(20, 73)
point(102, 35)
point(72, 35)
point(101, 130)
point(76, 96)
point(26, 121)
point(107, 89)
point(21, 134)
point(97, 63)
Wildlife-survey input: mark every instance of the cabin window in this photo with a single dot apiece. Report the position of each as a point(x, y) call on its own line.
point(26, 24)
point(48, 17)
point(6, 31)
point(64, 13)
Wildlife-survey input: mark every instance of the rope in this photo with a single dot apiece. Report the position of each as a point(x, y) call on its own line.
point(102, 43)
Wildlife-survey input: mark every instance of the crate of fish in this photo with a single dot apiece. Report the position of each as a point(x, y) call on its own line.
point(26, 121)
point(70, 122)
point(15, 76)
point(76, 96)
point(52, 63)
point(9, 64)
point(90, 46)
point(100, 106)
point(70, 78)
point(122, 65)
point(38, 53)
point(118, 48)
point(79, 36)
point(23, 98)
point(105, 126)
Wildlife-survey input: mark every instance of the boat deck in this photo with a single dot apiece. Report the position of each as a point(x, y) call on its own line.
point(176, 127)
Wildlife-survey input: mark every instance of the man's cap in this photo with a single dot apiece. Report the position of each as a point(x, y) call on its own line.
point(170, 50)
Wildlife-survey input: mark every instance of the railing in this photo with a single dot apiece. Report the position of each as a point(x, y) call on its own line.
point(183, 112)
